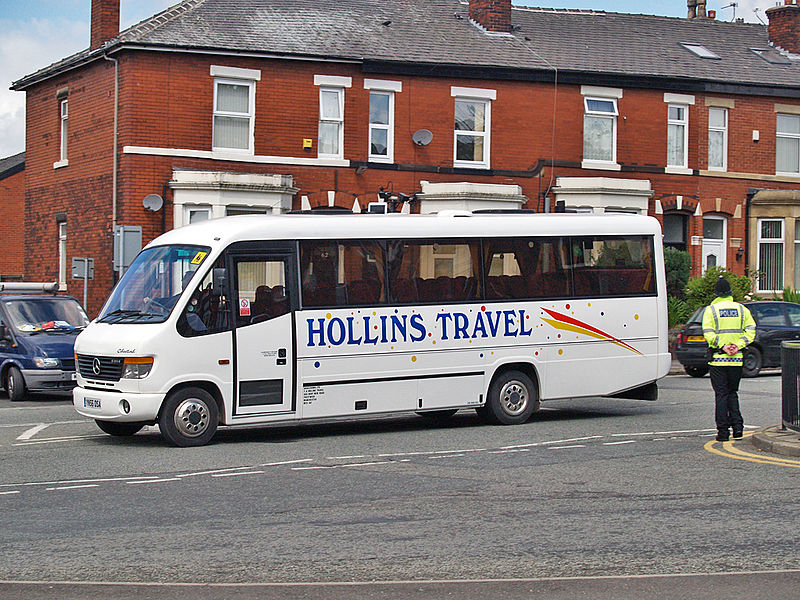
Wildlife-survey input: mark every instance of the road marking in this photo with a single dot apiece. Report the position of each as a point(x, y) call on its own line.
point(9, 493)
point(729, 451)
point(364, 464)
point(72, 487)
point(618, 443)
point(75, 481)
point(68, 438)
point(237, 474)
point(29, 433)
point(153, 481)
point(566, 447)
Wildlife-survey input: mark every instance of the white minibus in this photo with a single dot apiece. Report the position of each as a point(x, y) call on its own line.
point(266, 319)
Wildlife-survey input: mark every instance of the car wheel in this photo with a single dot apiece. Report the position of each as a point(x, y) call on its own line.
point(15, 384)
point(189, 417)
point(119, 429)
point(696, 371)
point(752, 363)
point(512, 399)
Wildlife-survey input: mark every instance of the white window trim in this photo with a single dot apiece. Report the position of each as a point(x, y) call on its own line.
point(473, 93)
point(251, 102)
point(724, 131)
point(793, 136)
point(63, 130)
point(781, 240)
point(235, 73)
point(340, 94)
point(62, 256)
point(485, 97)
point(685, 123)
point(383, 85)
point(389, 128)
point(670, 98)
point(610, 96)
point(333, 81)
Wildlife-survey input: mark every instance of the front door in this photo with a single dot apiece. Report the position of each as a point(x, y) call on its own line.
point(265, 295)
point(714, 254)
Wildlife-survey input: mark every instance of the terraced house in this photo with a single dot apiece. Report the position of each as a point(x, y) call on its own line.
point(224, 107)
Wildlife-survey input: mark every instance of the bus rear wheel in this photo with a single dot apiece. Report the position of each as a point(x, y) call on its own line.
point(189, 417)
point(513, 397)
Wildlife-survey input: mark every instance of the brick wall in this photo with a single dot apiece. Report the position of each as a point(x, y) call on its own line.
point(12, 232)
point(784, 26)
point(166, 102)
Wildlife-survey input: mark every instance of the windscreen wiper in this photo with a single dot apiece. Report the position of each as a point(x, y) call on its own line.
point(120, 314)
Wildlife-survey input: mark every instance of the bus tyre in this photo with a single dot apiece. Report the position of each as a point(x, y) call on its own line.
point(119, 429)
point(15, 384)
point(513, 398)
point(752, 362)
point(189, 417)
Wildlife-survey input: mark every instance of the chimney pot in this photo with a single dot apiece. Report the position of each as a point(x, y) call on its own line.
point(105, 22)
point(712, 14)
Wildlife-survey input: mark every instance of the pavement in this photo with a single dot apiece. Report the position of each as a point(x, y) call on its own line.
point(769, 439)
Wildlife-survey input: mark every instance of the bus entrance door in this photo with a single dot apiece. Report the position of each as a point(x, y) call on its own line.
point(264, 332)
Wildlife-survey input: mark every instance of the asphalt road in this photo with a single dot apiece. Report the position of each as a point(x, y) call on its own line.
point(592, 498)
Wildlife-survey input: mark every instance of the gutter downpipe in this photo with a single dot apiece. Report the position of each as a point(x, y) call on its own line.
point(114, 154)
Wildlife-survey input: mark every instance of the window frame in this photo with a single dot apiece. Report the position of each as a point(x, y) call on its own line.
point(781, 241)
point(339, 91)
point(484, 97)
point(62, 254)
point(724, 131)
point(594, 114)
point(684, 123)
point(787, 136)
point(388, 127)
point(251, 115)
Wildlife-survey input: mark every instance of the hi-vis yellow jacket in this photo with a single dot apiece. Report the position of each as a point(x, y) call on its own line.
point(727, 322)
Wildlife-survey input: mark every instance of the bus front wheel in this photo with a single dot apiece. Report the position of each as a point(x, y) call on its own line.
point(119, 429)
point(512, 399)
point(189, 417)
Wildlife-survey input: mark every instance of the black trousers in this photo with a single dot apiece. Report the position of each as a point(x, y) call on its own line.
point(725, 381)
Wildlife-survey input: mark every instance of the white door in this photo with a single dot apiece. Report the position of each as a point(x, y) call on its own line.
point(714, 242)
point(264, 290)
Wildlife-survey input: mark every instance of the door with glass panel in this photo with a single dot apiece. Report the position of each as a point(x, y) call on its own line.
point(770, 255)
point(714, 235)
point(265, 292)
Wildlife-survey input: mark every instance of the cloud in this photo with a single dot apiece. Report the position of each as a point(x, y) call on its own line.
point(25, 47)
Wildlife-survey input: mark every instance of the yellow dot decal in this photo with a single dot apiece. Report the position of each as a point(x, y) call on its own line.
point(636, 317)
point(413, 359)
point(560, 352)
point(328, 316)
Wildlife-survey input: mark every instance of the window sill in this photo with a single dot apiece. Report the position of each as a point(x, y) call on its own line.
point(602, 165)
point(677, 170)
point(470, 165)
point(60, 163)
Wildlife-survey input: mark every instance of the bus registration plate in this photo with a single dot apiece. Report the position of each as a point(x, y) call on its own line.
point(91, 402)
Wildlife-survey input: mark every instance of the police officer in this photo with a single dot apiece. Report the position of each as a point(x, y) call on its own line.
point(727, 327)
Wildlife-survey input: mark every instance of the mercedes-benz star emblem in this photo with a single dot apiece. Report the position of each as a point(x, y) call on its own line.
point(96, 366)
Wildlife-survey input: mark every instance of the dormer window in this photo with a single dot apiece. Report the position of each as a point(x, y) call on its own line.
point(700, 50)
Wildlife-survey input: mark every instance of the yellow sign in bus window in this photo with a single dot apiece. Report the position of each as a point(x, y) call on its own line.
point(198, 258)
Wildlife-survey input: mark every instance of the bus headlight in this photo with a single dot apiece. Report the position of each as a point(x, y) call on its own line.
point(137, 367)
point(45, 363)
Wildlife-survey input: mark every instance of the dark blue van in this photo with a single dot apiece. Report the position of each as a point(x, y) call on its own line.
point(37, 339)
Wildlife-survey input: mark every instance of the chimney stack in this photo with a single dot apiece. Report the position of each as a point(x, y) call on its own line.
point(105, 22)
point(697, 9)
point(492, 15)
point(784, 26)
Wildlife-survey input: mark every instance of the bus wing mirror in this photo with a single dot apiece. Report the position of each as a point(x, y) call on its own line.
point(220, 282)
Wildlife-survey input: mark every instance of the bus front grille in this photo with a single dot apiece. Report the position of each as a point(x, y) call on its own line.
point(107, 368)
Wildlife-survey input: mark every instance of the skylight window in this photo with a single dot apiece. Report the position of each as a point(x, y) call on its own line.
point(700, 50)
point(770, 56)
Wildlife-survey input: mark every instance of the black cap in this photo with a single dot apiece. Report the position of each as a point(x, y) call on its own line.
point(722, 287)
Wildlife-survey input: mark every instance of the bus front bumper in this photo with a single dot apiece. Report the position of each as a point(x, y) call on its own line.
point(116, 406)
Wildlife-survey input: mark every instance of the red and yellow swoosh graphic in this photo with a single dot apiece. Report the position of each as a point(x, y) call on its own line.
point(567, 323)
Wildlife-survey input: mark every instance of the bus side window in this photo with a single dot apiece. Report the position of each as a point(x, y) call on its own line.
point(205, 313)
point(260, 290)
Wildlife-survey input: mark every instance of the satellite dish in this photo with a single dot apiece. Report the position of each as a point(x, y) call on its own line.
point(153, 202)
point(422, 137)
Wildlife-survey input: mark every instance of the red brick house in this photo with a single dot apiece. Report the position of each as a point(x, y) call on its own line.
point(267, 106)
point(12, 217)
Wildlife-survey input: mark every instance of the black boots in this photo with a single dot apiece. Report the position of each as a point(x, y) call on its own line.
point(723, 435)
point(737, 434)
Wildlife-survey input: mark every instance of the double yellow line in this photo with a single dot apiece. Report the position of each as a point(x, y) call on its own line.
point(730, 451)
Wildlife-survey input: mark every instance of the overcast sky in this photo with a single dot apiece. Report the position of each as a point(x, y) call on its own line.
point(37, 33)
